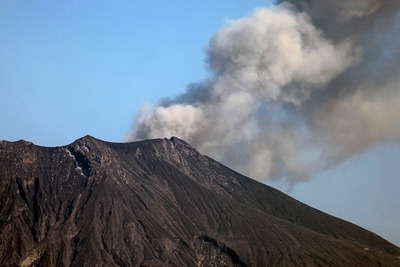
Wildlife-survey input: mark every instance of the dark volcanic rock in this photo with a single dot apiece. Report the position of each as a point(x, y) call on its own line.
point(160, 203)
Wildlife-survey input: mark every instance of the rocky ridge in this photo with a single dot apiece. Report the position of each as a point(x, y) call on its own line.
point(160, 203)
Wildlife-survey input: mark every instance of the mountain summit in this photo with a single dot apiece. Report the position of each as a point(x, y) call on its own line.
point(160, 203)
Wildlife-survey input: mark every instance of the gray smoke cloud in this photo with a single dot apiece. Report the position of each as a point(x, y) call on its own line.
point(293, 89)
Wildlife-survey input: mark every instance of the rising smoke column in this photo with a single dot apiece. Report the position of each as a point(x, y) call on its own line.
point(293, 89)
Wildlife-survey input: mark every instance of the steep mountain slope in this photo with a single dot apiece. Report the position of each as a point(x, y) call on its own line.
point(160, 203)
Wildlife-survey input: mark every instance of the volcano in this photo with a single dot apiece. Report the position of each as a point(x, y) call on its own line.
point(160, 203)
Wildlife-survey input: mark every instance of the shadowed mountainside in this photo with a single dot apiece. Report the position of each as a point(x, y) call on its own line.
point(160, 203)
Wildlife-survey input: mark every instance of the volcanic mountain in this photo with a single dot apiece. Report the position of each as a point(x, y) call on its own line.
point(160, 203)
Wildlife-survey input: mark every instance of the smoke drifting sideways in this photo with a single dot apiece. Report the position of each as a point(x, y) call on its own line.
point(293, 89)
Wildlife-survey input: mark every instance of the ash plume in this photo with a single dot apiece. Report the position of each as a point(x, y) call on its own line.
point(293, 89)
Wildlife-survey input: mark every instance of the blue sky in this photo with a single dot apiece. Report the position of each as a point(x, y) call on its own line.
point(73, 68)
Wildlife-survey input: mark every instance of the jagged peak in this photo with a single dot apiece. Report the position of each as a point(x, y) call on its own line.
point(87, 141)
point(86, 138)
point(21, 141)
point(183, 146)
point(175, 140)
point(14, 144)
